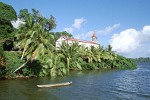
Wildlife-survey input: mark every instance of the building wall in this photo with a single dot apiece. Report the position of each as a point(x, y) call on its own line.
point(86, 44)
point(59, 42)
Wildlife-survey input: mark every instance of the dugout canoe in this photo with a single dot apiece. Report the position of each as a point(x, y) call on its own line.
point(55, 85)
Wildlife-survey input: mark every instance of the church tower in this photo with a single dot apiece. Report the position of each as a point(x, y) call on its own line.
point(94, 38)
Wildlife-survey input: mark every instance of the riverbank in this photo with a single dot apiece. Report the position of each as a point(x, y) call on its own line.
point(16, 77)
point(89, 85)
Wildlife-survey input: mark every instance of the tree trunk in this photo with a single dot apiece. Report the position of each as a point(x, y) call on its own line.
point(20, 66)
point(22, 55)
point(68, 64)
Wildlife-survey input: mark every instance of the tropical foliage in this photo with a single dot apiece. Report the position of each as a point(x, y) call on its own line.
point(7, 14)
point(33, 38)
point(12, 62)
point(36, 54)
point(64, 33)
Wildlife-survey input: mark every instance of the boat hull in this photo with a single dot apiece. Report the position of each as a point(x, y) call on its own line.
point(55, 85)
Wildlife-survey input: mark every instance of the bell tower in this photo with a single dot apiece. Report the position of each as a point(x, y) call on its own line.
point(94, 38)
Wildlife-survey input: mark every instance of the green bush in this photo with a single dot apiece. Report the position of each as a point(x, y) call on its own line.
point(2, 62)
point(1, 51)
point(12, 62)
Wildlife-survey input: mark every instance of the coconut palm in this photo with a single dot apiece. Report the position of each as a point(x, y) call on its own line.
point(33, 37)
point(71, 53)
point(35, 42)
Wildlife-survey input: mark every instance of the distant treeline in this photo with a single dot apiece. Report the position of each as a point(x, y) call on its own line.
point(142, 59)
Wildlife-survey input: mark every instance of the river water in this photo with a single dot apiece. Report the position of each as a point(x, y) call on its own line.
point(87, 85)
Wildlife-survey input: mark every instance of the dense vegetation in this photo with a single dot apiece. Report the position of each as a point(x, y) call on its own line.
point(141, 59)
point(7, 14)
point(34, 53)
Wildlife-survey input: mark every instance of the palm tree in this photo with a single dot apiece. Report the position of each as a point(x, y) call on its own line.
point(71, 54)
point(52, 65)
point(37, 41)
point(109, 48)
point(33, 37)
point(57, 66)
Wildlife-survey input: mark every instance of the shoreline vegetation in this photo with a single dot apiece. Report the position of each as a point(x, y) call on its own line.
point(29, 50)
point(142, 59)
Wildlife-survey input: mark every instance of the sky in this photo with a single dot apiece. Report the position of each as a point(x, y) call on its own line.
point(124, 24)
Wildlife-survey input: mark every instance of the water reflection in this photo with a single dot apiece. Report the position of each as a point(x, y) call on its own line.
point(87, 85)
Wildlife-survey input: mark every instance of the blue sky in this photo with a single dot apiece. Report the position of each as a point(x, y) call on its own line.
point(125, 24)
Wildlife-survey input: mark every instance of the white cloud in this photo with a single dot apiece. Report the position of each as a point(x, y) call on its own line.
point(69, 29)
point(17, 23)
point(126, 41)
point(76, 25)
point(131, 40)
point(84, 36)
point(108, 29)
point(78, 22)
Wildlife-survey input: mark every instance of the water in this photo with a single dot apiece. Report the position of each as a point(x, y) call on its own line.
point(87, 85)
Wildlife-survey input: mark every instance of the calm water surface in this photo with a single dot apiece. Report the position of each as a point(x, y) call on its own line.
point(88, 85)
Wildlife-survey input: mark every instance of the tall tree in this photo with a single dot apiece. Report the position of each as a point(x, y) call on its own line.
point(7, 14)
point(33, 37)
point(109, 48)
point(47, 23)
point(63, 33)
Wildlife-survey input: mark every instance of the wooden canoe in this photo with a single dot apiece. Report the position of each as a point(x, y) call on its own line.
point(55, 85)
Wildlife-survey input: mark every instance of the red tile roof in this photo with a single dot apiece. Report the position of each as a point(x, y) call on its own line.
point(77, 40)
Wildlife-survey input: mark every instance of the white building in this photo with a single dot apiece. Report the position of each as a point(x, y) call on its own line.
point(81, 42)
